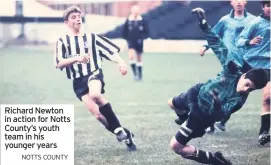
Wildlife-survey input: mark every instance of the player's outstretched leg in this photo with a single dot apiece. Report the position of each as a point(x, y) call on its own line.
point(192, 129)
point(99, 106)
point(129, 141)
point(114, 126)
point(264, 138)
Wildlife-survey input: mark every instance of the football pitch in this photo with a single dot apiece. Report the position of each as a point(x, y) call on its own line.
point(28, 76)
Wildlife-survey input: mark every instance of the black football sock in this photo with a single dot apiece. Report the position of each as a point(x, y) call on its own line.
point(139, 68)
point(110, 116)
point(205, 157)
point(265, 123)
point(133, 66)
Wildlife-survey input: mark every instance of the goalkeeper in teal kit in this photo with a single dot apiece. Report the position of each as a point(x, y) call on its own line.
point(228, 29)
point(213, 100)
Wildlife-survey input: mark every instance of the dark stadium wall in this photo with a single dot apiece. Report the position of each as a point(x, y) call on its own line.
point(173, 20)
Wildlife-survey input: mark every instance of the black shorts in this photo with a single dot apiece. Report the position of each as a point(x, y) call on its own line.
point(182, 101)
point(80, 85)
point(136, 45)
point(193, 127)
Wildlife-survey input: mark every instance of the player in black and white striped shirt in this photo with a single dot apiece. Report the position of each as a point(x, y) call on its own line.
point(81, 54)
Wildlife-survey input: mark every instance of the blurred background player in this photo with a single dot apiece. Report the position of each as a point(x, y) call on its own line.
point(228, 28)
point(256, 39)
point(80, 53)
point(134, 32)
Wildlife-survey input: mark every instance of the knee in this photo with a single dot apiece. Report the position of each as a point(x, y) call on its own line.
point(131, 53)
point(131, 57)
point(176, 146)
point(96, 97)
point(266, 94)
point(177, 110)
point(266, 99)
point(170, 103)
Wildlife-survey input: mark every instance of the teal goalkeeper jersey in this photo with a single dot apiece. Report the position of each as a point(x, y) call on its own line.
point(257, 56)
point(223, 84)
point(225, 87)
point(228, 28)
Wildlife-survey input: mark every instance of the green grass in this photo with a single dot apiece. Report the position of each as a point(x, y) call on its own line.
point(28, 76)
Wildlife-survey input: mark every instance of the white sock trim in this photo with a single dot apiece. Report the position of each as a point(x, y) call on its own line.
point(139, 64)
point(132, 62)
point(118, 130)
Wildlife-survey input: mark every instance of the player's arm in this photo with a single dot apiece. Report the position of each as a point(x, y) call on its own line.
point(246, 37)
point(219, 30)
point(231, 106)
point(60, 60)
point(217, 45)
point(125, 30)
point(110, 51)
point(107, 49)
point(235, 105)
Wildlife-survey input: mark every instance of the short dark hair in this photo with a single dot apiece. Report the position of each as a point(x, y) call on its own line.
point(69, 10)
point(259, 77)
point(265, 3)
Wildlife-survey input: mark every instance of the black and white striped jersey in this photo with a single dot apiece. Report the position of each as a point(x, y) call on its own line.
point(94, 45)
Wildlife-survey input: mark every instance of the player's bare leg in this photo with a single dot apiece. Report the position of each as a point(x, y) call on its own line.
point(105, 108)
point(94, 109)
point(264, 135)
point(95, 96)
point(132, 62)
